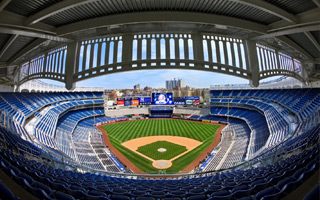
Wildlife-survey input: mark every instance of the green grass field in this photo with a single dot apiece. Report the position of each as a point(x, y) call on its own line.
point(124, 131)
point(172, 150)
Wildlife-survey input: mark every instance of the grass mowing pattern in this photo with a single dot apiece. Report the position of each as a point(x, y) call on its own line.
point(151, 150)
point(124, 131)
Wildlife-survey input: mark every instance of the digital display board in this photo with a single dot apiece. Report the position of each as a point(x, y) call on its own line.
point(162, 98)
point(145, 100)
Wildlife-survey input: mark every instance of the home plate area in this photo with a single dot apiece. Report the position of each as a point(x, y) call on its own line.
point(162, 164)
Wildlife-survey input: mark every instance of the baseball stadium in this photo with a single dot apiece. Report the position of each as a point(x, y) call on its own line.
point(246, 126)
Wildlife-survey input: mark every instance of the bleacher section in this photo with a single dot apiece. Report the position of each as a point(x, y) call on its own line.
point(256, 121)
point(269, 147)
point(301, 102)
point(278, 107)
point(51, 120)
point(233, 146)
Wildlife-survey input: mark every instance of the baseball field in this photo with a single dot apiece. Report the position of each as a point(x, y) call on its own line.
point(166, 145)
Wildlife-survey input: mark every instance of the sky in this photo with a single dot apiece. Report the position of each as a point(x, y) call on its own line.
point(156, 79)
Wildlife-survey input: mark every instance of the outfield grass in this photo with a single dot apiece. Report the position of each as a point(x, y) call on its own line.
point(172, 150)
point(124, 131)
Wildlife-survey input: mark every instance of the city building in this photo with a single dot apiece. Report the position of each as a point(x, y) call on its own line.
point(174, 84)
point(136, 87)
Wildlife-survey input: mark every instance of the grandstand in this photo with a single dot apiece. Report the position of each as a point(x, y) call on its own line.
point(257, 141)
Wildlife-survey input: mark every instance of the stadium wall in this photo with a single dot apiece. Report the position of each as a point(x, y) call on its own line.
point(145, 111)
point(127, 111)
point(191, 111)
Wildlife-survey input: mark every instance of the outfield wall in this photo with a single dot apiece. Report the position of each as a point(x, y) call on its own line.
point(145, 111)
point(127, 111)
point(191, 111)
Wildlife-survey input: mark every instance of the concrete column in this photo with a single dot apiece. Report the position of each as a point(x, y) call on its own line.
point(186, 49)
point(278, 65)
point(71, 64)
point(197, 48)
point(127, 40)
point(252, 62)
point(210, 58)
point(304, 72)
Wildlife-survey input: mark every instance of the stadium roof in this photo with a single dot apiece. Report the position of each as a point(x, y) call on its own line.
point(28, 27)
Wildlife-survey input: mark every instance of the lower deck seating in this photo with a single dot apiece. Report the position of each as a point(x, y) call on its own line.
point(256, 121)
point(233, 147)
point(269, 181)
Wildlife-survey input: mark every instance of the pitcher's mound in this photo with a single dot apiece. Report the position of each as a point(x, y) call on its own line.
point(162, 150)
point(162, 164)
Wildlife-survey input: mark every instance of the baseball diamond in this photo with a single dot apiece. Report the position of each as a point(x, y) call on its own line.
point(181, 142)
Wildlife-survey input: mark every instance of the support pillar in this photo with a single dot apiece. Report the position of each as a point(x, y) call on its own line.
point(304, 72)
point(71, 64)
point(127, 40)
point(197, 49)
point(253, 62)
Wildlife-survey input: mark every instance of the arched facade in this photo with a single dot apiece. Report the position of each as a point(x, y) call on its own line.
point(80, 60)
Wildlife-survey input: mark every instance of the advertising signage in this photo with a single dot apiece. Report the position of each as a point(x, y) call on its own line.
point(135, 102)
point(127, 101)
point(145, 100)
point(120, 101)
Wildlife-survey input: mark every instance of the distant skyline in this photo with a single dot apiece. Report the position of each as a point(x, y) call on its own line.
point(157, 78)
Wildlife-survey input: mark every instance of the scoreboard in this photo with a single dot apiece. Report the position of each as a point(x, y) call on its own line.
point(162, 98)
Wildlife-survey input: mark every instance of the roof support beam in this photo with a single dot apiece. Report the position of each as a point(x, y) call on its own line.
point(302, 18)
point(30, 33)
point(160, 17)
point(314, 61)
point(3, 4)
point(176, 17)
point(56, 8)
point(8, 44)
point(305, 17)
point(294, 45)
point(313, 40)
point(317, 2)
point(297, 28)
point(269, 8)
point(11, 23)
point(29, 48)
